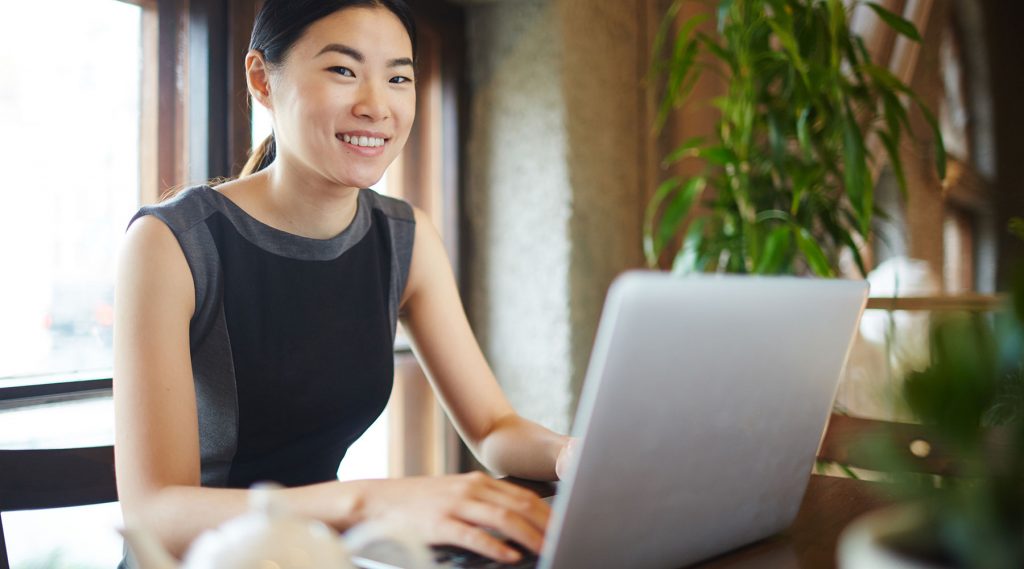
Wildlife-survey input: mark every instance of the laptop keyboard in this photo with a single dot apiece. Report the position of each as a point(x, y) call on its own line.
point(449, 557)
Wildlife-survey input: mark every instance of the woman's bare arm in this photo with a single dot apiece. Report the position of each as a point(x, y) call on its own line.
point(444, 342)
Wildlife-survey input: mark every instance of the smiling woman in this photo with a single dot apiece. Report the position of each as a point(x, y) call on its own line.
point(256, 319)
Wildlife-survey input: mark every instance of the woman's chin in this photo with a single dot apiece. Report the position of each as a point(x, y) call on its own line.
point(358, 181)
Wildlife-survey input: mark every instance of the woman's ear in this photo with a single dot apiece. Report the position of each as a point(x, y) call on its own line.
point(257, 77)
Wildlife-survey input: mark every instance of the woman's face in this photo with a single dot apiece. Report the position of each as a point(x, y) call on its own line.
point(343, 100)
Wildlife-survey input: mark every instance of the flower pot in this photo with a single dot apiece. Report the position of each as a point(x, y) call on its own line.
point(867, 542)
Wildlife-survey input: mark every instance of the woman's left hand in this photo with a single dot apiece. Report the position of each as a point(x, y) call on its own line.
point(565, 457)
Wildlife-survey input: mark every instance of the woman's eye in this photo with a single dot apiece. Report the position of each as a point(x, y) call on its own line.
point(343, 71)
point(399, 79)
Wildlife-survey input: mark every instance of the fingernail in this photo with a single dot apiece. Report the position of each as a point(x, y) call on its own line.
point(511, 556)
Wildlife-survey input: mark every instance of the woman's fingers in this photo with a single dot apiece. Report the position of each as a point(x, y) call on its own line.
point(510, 497)
point(475, 539)
point(507, 522)
point(531, 508)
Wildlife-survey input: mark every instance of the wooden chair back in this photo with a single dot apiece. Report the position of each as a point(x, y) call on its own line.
point(39, 479)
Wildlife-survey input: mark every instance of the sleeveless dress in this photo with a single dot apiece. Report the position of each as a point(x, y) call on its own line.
point(292, 337)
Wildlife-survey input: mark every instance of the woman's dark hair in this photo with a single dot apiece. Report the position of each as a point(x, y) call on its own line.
point(280, 23)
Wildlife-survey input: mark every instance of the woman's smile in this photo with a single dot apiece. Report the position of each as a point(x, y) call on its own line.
point(363, 143)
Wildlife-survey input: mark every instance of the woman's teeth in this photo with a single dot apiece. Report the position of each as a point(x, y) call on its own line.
point(368, 141)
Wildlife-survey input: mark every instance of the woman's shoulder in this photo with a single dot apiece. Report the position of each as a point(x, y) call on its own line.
point(181, 211)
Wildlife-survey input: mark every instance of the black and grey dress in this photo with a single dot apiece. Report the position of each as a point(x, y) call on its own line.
point(292, 337)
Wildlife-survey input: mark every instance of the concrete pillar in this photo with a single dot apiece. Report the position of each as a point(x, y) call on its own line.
point(556, 185)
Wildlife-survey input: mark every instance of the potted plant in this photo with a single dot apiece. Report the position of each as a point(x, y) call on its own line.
point(785, 183)
point(971, 398)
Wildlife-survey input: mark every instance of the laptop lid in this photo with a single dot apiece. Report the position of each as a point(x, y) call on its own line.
point(703, 408)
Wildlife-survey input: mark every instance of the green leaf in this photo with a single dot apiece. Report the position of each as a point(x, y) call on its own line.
point(678, 202)
point(763, 216)
point(681, 65)
point(665, 25)
point(895, 114)
point(651, 253)
point(717, 50)
point(895, 22)
point(690, 259)
point(958, 388)
point(816, 258)
point(884, 78)
point(684, 150)
point(776, 247)
point(803, 135)
point(893, 151)
point(718, 155)
point(789, 44)
point(842, 236)
point(857, 258)
point(855, 171)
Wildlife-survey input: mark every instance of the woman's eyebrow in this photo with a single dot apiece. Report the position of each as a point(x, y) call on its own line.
point(344, 50)
point(358, 55)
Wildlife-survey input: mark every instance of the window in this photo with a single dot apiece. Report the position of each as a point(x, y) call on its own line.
point(71, 163)
point(73, 116)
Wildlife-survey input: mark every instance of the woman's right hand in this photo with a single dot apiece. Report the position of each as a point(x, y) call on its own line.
point(459, 509)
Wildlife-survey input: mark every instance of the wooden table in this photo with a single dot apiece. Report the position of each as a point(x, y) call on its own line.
point(829, 505)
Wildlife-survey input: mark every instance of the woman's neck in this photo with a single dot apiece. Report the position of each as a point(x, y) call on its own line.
point(296, 203)
point(322, 210)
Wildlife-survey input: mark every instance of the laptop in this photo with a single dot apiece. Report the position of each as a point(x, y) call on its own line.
point(705, 402)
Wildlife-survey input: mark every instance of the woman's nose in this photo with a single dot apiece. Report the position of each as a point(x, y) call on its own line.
point(371, 103)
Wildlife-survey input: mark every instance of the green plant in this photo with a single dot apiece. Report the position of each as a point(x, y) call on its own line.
point(971, 398)
point(785, 183)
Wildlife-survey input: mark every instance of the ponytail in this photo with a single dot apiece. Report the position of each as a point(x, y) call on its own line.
point(261, 157)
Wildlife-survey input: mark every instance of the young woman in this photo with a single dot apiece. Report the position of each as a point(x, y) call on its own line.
point(256, 320)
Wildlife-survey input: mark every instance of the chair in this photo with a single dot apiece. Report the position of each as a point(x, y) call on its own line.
point(848, 439)
point(54, 478)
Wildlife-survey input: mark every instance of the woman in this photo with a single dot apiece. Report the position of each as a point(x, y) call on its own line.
point(255, 321)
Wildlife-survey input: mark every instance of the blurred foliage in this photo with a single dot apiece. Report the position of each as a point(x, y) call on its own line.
point(785, 180)
point(971, 397)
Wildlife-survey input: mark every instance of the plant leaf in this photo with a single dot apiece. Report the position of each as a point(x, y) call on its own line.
point(651, 253)
point(717, 50)
point(682, 151)
point(675, 212)
point(803, 135)
point(690, 259)
point(718, 155)
point(857, 258)
point(895, 22)
point(894, 160)
point(816, 258)
point(775, 249)
point(855, 171)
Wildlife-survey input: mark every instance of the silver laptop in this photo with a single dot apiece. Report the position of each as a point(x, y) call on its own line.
point(703, 408)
